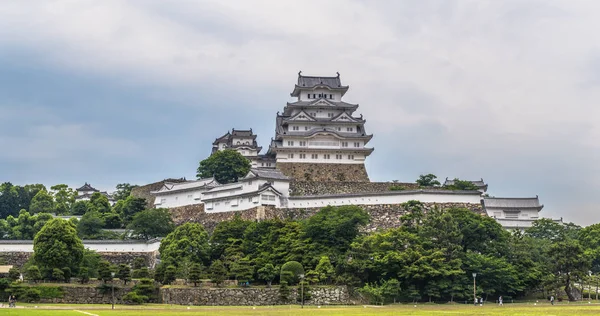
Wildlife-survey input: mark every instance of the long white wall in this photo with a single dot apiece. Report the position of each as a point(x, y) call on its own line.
point(385, 198)
point(103, 246)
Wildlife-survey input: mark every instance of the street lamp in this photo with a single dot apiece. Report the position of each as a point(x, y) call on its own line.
point(589, 287)
point(474, 289)
point(112, 283)
point(302, 289)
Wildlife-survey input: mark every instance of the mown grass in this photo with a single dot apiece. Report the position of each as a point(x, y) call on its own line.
point(419, 310)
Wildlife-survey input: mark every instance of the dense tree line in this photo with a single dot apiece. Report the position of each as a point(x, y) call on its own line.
point(25, 209)
point(430, 257)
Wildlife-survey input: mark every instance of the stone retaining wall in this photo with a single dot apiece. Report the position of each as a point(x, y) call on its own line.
point(17, 259)
point(324, 171)
point(302, 188)
point(20, 258)
point(383, 216)
point(88, 295)
point(249, 296)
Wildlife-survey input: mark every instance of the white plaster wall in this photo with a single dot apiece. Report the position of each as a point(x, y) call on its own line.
point(176, 199)
point(337, 96)
point(524, 214)
point(358, 158)
point(101, 247)
point(294, 202)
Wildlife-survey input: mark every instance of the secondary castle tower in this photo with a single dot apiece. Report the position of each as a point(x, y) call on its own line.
point(317, 137)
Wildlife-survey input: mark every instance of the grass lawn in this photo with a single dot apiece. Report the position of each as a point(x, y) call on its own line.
point(168, 310)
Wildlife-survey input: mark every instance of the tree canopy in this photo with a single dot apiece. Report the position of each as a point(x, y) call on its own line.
point(151, 223)
point(57, 246)
point(187, 243)
point(225, 165)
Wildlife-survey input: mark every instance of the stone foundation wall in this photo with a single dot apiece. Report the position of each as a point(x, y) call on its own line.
point(383, 216)
point(20, 258)
point(302, 188)
point(88, 295)
point(250, 296)
point(324, 171)
point(15, 258)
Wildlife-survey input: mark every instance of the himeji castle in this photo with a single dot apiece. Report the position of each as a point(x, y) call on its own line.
point(319, 139)
point(319, 127)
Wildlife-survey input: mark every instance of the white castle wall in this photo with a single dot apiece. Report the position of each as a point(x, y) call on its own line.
point(96, 245)
point(391, 197)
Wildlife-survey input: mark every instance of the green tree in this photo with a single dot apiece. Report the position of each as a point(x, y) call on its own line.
point(112, 220)
point(128, 207)
point(217, 272)
point(242, 270)
point(569, 263)
point(195, 273)
point(188, 242)
point(123, 191)
point(124, 273)
point(64, 197)
point(225, 165)
point(325, 270)
point(90, 225)
point(33, 273)
point(296, 270)
point(14, 274)
point(284, 291)
point(58, 275)
point(151, 223)
point(57, 246)
point(9, 200)
point(105, 271)
point(26, 193)
point(100, 203)
point(42, 202)
point(428, 180)
point(67, 273)
point(462, 185)
point(546, 228)
point(84, 275)
point(267, 273)
point(81, 207)
point(138, 263)
point(225, 233)
point(170, 275)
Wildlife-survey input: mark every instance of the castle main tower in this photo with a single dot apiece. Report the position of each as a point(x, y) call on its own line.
point(317, 138)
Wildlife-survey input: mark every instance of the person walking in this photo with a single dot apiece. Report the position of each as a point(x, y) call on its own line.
point(500, 301)
point(12, 301)
point(552, 300)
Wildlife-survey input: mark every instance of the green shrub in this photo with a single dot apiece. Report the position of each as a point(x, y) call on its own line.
point(24, 293)
point(284, 290)
point(50, 291)
point(397, 188)
point(296, 270)
point(133, 298)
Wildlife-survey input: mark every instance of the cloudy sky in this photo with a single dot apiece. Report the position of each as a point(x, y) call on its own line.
point(135, 91)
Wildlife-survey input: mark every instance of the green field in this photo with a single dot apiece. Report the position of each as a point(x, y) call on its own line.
point(166, 310)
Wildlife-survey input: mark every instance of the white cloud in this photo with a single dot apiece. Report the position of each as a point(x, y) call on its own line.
point(511, 79)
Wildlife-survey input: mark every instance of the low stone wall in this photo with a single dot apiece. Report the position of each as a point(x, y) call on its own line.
point(128, 257)
point(302, 188)
point(88, 295)
point(17, 259)
point(249, 296)
point(324, 171)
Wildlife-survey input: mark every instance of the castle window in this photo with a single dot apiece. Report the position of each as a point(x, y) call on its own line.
point(326, 156)
point(356, 144)
point(296, 128)
point(331, 96)
point(339, 129)
point(338, 156)
point(314, 95)
point(349, 129)
point(306, 128)
point(308, 96)
point(290, 143)
point(302, 156)
point(344, 144)
point(189, 196)
point(303, 143)
point(351, 157)
point(290, 155)
point(314, 156)
point(329, 114)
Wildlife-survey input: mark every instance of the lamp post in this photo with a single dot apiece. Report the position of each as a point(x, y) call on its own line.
point(302, 289)
point(589, 286)
point(474, 289)
point(112, 283)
